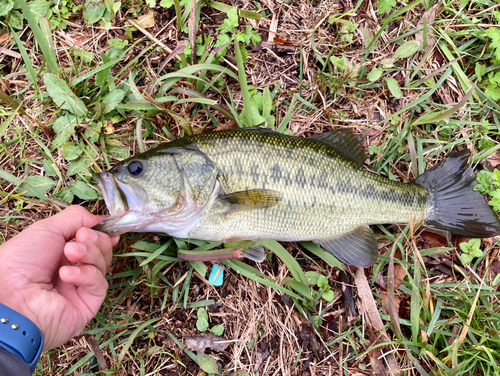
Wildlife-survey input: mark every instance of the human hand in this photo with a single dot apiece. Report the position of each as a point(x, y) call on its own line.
point(57, 283)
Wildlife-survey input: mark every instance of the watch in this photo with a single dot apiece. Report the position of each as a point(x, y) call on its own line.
point(20, 336)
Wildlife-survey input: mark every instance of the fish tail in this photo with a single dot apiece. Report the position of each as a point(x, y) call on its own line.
point(453, 204)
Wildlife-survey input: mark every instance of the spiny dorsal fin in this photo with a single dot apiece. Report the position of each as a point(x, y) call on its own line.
point(357, 247)
point(345, 141)
point(251, 199)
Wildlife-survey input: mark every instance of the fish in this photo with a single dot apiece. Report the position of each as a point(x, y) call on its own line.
point(255, 184)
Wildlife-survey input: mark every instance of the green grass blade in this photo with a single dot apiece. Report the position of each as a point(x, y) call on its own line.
point(242, 78)
point(287, 258)
point(50, 58)
point(253, 274)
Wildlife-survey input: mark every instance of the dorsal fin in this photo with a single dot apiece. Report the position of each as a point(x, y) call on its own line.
point(345, 141)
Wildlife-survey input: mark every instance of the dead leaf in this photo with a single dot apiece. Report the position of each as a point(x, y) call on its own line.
point(147, 21)
point(375, 354)
point(97, 351)
point(494, 159)
point(433, 240)
point(305, 336)
point(262, 354)
point(200, 342)
point(370, 310)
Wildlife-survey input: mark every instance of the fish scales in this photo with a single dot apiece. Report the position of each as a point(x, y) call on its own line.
point(250, 185)
point(323, 192)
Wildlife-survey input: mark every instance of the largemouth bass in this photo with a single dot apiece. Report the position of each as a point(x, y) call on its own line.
point(249, 184)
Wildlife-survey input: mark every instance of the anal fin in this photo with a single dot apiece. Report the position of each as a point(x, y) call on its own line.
point(251, 199)
point(358, 247)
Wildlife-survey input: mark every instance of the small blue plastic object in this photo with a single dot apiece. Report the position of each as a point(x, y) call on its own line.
point(216, 275)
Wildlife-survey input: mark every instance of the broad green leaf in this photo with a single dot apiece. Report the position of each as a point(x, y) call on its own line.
point(328, 295)
point(375, 74)
point(86, 56)
point(118, 43)
point(388, 63)
point(5, 7)
point(465, 258)
point(406, 49)
point(322, 281)
point(112, 99)
point(202, 325)
point(93, 11)
point(480, 70)
point(71, 150)
point(64, 127)
point(49, 168)
point(66, 195)
point(385, 6)
point(39, 8)
point(40, 183)
point(483, 179)
point(496, 178)
point(226, 8)
point(202, 314)
point(218, 330)
point(207, 363)
point(16, 19)
point(77, 166)
point(62, 95)
point(83, 191)
point(101, 77)
point(117, 149)
point(312, 277)
point(495, 200)
point(394, 88)
point(492, 91)
point(90, 134)
point(16, 181)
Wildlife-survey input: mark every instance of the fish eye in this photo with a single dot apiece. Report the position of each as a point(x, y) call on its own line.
point(135, 168)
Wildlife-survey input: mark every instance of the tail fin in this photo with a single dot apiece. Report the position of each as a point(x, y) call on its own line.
point(454, 205)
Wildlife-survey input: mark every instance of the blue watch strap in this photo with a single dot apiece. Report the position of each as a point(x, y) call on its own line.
point(20, 336)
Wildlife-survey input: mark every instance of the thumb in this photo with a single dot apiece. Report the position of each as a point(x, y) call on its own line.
point(67, 222)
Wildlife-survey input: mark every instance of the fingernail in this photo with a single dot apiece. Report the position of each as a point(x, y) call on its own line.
point(71, 270)
point(82, 248)
point(91, 234)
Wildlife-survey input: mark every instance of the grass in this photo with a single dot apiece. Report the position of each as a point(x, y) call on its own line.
point(91, 95)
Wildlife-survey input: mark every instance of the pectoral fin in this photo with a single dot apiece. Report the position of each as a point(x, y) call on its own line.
point(251, 199)
point(357, 247)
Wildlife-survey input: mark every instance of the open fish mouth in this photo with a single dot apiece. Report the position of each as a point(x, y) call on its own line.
point(125, 203)
point(115, 200)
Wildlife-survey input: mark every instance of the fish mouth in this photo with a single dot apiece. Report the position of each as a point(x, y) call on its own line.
point(125, 203)
point(115, 200)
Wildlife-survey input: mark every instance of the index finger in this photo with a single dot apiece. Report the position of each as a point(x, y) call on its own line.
point(67, 222)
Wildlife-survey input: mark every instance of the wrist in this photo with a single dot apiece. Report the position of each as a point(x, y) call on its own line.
point(20, 336)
